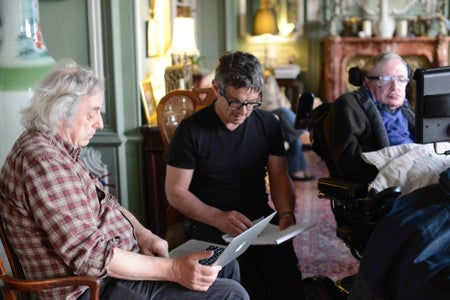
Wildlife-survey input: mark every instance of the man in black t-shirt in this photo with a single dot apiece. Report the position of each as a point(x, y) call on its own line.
point(216, 168)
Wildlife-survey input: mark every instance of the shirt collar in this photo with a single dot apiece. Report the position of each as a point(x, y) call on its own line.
point(73, 151)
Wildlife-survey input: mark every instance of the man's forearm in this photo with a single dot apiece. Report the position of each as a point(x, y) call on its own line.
point(192, 207)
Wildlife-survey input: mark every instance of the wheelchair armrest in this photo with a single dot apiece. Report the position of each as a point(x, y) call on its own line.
point(341, 189)
point(383, 198)
point(356, 210)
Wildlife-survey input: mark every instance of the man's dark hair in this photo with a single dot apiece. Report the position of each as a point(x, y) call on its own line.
point(239, 70)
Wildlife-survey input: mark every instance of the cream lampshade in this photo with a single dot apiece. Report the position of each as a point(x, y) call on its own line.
point(183, 37)
point(183, 47)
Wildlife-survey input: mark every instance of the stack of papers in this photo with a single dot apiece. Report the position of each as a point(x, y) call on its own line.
point(272, 235)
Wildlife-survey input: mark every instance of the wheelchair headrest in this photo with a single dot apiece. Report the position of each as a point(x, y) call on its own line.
point(356, 75)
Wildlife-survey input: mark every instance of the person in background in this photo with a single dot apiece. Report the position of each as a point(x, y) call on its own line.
point(276, 102)
point(374, 117)
point(60, 220)
point(216, 167)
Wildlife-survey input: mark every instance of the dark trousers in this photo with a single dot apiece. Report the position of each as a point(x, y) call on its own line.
point(267, 272)
point(271, 272)
point(226, 287)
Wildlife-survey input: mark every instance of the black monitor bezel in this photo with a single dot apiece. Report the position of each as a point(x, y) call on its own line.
point(432, 95)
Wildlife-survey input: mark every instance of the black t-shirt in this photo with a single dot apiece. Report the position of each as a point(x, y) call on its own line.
point(229, 166)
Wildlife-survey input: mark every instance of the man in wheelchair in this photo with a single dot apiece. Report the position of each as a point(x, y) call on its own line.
point(372, 118)
point(375, 117)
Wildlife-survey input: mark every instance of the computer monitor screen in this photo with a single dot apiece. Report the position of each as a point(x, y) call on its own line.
point(432, 104)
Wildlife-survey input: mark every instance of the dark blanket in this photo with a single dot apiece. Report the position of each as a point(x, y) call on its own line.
point(408, 254)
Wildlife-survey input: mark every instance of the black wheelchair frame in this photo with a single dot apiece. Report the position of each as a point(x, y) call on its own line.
point(354, 208)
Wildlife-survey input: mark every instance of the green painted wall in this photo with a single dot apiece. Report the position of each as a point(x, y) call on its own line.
point(66, 33)
point(64, 27)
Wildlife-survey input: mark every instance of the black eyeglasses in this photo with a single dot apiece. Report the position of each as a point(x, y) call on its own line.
point(388, 80)
point(237, 104)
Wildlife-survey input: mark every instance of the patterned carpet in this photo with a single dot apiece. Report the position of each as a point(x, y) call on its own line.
point(319, 251)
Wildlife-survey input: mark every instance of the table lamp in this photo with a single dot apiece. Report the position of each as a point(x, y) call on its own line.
point(182, 50)
point(265, 23)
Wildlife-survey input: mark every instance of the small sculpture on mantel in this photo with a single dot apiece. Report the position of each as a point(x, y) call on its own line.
point(333, 30)
point(333, 24)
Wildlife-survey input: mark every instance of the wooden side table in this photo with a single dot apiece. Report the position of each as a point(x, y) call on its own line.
point(155, 171)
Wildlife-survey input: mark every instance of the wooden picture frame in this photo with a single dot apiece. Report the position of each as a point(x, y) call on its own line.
point(148, 102)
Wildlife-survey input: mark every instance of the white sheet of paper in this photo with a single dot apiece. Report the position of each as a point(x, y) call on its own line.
point(271, 235)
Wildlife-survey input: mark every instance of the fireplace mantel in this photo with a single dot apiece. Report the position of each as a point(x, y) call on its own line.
point(341, 53)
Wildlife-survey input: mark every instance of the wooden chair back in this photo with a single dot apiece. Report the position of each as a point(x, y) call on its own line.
point(172, 108)
point(179, 104)
point(15, 286)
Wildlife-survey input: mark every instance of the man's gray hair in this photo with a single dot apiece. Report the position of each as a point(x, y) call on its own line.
point(56, 99)
point(382, 57)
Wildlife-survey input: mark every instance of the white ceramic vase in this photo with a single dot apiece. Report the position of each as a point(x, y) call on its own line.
point(24, 61)
point(386, 23)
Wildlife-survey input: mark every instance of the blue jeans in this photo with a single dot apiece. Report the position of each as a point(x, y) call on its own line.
point(226, 287)
point(296, 159)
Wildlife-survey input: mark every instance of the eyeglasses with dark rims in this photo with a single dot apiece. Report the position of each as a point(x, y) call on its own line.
point(237, 104)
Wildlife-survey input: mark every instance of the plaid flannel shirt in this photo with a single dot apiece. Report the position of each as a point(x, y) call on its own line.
point(58, 218)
